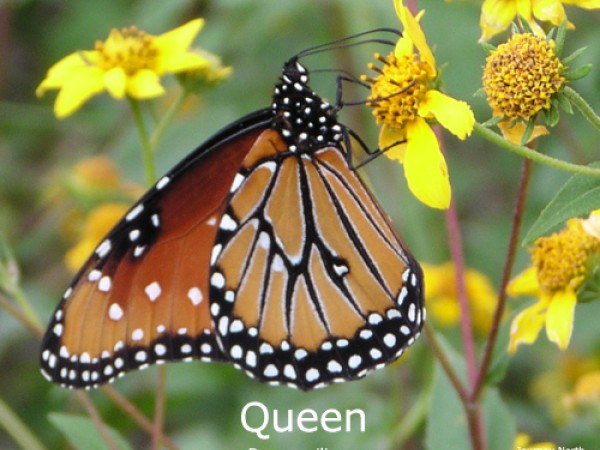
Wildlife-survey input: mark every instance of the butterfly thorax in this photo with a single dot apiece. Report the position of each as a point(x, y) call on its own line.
point(306, 122)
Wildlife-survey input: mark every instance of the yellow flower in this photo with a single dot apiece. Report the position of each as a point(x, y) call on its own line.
point(442, 296)
point(404, 101)
point(523, 441)
point(560, 263)
point(496, 15)
point(95, 195)
point(586, 392)
point(521, 76)
point(214, 72)
point(129, 63)
point(97, 224)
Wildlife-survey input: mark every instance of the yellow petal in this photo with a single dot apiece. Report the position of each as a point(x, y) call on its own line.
point(415, 33)
point(496, 16)
point(436, 279)
point(144, 84)
point(524, 8)
point(514, 132)
point(178, 40)
point(526, 326)
point(182, 62)
point(559, 319)
point(61, 71)
point(393, 142)
point(454, 115)
point(444, 310)
point(425, 167)
point(115, 81)
point(525, 283)
point(82, 85)
point(591, 225)
point(549, 10)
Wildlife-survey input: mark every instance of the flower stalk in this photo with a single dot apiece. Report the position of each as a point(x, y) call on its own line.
point(146, 143)
point(533, 155)
point(513, 244)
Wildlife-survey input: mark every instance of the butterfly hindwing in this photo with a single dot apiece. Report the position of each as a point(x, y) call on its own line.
point(310, 285)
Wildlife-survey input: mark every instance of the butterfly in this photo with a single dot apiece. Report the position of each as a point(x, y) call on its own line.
point(262, 248)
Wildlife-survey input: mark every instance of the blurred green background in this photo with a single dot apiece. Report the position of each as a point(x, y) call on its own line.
point(255, 37)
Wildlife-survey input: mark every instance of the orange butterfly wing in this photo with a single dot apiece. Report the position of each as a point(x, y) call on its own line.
point(309, 282)
point(142, 297)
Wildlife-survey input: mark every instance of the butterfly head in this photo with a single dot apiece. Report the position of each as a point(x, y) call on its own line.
point(306, 121)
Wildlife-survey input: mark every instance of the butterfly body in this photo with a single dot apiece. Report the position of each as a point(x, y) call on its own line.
point(262, 248)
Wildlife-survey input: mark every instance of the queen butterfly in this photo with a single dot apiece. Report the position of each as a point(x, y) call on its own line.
point(262, 248)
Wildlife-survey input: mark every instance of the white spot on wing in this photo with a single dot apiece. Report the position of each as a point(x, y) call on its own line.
point(137, 334)
point(278, 265)
point(215, 252)
point(105, 284)
point(195, 296)
point(104, 248)
point(162, 182)
point(264, 241)
point(94, 275)
point(217, 280)
point(153, 291)
point(155, 220)
point(312, 374)
point(227, 223)
point(115, 312)
point(136, 211)
point(239, 179)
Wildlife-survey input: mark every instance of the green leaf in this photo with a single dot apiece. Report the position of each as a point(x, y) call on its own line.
point(552, 116)
point(500, 357)
point(82, 433)
point(564, 103)
point(573, 56)
point(446, 421)
point(447, 425)
point(577, 74)
point(561, 34)
point(500, 425)
point(579, 196)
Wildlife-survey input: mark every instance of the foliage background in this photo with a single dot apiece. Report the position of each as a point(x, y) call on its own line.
point(256, 37)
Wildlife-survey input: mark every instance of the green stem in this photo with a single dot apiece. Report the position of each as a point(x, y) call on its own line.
point(18, 295)
point(534, 155)
point(149, 166)
point(583, 106)
point(447, 367)
point(513, 246)
point(167, 118)
point(9, 282)
point(17, 429)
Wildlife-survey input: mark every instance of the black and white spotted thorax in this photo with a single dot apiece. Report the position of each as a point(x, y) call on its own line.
point(306, 122)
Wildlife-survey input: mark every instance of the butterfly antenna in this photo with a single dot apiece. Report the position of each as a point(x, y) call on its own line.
point(347, 42)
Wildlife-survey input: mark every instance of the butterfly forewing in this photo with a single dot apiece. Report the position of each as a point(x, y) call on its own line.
point(310, 285)
point(142, 297)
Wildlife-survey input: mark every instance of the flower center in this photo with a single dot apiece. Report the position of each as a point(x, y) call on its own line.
point(561, 259)
point(521, 75)
point(398, 89)
point(129, 49)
